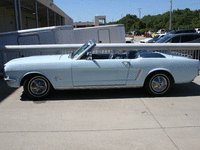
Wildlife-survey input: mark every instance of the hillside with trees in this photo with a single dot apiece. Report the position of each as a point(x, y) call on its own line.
point(181, 19)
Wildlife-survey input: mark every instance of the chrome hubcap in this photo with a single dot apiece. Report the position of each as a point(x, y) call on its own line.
point(38, 86)
point(159, 83)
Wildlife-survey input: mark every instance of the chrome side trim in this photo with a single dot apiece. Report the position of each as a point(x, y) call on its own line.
point(8, 79)
point(99, 87)
point(139, 74)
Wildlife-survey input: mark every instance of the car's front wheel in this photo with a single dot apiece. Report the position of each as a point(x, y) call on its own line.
point(158, 84)
point(37, 87)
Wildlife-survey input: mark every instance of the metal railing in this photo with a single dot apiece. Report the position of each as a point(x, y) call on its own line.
point(8, 52)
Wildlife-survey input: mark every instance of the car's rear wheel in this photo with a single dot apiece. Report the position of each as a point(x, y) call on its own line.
point(158, 84)
point(37, 87)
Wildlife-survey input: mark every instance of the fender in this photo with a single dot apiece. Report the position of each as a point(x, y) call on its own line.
point(33, 72)
point(159, 69)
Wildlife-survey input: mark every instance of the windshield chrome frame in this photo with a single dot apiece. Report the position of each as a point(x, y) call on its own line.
point(90, 45)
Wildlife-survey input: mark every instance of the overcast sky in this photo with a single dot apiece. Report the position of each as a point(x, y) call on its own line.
point(85, 10)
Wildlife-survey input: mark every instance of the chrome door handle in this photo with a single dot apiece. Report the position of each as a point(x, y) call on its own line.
point(126, 63)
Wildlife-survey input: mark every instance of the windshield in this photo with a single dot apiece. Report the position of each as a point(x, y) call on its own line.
point(155, 37)
point(80, 50)
point(87, 47)
point(171, 32)
point(163, 39)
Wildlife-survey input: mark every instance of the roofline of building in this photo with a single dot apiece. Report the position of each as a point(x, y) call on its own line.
point(54, 8)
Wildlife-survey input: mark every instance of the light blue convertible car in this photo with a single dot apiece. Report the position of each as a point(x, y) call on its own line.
point(154, 71)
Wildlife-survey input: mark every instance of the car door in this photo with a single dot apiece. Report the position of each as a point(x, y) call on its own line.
point(187, 38)
point(100, 72)
point(175, 39)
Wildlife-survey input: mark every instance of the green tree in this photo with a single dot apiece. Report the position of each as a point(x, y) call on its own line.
point(181, 19)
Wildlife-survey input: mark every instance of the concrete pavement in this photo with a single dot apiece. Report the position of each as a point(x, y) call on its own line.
point(118, 119)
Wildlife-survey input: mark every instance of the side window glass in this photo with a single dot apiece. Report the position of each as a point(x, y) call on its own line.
point(169, 41)
point(187, 38)
point(175, 39)
point(197, 36)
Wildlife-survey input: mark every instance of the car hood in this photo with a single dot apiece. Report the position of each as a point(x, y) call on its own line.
point(37, 59)
point(145, 40)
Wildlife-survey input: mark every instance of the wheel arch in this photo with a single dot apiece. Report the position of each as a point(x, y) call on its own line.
point(30, 74)
point(165, 71)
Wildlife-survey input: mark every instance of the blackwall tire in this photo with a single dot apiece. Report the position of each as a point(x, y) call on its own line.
point(37, 87)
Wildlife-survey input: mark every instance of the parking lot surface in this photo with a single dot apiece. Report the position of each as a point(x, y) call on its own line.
point(138, 38)
point(101, 119)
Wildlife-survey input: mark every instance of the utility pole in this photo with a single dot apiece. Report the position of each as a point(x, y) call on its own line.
point(170, 22)
point(139, 12)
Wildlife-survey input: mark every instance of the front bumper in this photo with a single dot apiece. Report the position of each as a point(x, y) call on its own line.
point(8, 79)
point(11, 82)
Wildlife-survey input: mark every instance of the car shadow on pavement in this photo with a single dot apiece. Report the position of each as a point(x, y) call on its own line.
point(181, 90)
point(5, 90)
point(184, 90)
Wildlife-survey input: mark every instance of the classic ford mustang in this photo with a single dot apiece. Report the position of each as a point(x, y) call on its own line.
point(154, 71)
